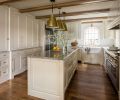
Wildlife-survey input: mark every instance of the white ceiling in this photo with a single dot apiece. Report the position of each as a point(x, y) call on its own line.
point(78, 8)
point(85, 7)
point(31, 3)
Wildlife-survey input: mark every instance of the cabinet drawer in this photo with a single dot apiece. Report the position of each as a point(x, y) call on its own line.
point(4, 62)
point(4, 55)
point(4, 70)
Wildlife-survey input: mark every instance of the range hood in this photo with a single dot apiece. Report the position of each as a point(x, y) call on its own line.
point(115, 24)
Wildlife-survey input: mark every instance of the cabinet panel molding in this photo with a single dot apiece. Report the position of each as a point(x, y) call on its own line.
point(4, 39)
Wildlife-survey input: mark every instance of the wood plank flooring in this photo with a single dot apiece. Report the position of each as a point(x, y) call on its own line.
point(89, 83)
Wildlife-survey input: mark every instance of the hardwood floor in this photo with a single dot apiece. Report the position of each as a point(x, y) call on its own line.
point(89, 83)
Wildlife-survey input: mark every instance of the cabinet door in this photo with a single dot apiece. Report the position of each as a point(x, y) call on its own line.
point(22, 31)
point(14, 29)
point(16, 65)
point(23, 63)
point(29, 32)
point(3, 28)
point(35, 33)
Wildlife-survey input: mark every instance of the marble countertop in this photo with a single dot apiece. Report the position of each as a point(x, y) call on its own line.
point(55, 55)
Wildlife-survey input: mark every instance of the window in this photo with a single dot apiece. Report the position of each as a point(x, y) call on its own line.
point(91, 36)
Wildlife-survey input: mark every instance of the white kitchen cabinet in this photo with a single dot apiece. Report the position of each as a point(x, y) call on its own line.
point(16, 66)
point(4, 66)
point(22, 31)
point(23, 62)
point(4, 11)
point(70, 65)
point(19, 62)
point(18, 31)
point(14, 29)
point(29, 32)
point(35, 33)
point(19, 59)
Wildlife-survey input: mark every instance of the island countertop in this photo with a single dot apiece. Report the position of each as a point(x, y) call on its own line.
point(55, 55)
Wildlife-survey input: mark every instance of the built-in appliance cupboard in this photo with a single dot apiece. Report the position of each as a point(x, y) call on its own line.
point(20, 36)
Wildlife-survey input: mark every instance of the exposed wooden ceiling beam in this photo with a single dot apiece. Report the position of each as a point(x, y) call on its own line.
point(58, 5)
point(8, 1)
point(76, 13)
point(91, 22)
point(81, 19)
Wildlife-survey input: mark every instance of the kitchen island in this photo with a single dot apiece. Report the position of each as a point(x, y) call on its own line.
point(49, 74)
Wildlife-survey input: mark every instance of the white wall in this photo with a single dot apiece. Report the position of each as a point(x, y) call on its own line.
point(76, 31)
point(107, 37)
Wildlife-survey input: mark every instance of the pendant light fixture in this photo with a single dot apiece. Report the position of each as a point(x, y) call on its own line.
point(64, 24)
point(52, 22)
point(60, 23)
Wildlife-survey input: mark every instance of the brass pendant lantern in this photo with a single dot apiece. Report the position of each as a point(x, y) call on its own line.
point(60, 23)
point(52, 22)
point(64, 24)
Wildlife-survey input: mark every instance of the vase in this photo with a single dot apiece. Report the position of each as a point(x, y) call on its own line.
point(64, 49)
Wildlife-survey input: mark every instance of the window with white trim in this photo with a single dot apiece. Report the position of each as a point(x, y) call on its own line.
point(91, 36)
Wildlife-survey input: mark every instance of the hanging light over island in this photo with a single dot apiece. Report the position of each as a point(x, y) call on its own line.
point(52, 22)
point(64, 24)
point(60, 23)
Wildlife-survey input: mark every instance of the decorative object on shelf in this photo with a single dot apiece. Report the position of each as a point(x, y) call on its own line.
point(74, 44)
point(64, 24)
point(52, 22)
point(60, 23)
point(56, 48)
point(63, 41)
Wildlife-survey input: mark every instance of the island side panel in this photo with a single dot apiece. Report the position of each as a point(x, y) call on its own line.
point(45, 78)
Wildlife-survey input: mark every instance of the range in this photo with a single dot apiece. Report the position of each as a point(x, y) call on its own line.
point(112, 66)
